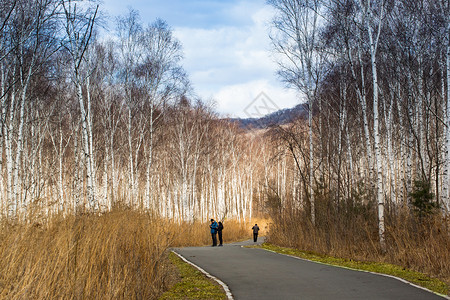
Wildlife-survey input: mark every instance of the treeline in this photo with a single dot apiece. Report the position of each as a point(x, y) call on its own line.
point(89, 123)
point(375, 76)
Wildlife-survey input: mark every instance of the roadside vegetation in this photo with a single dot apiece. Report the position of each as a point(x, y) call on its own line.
point(192, 284)
point(122, 254)
point(417, 251)
point(417, 278)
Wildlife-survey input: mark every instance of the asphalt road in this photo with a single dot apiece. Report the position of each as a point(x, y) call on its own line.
point(259, 274)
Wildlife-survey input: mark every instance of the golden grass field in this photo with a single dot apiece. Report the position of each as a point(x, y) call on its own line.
point(123, 254)
point(119, 255)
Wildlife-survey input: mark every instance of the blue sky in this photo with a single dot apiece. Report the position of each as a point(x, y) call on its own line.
point(226, 49)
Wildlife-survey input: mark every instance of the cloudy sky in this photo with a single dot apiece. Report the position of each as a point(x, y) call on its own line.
point(226, 50)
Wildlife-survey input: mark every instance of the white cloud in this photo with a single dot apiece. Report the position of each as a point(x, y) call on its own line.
point(233, 65)
point(227, 54)
point(238, 100)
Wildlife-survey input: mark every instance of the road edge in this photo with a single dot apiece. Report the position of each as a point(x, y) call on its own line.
point(370, 272)
point(224, 286)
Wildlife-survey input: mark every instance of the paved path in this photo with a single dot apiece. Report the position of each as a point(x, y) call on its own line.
point(259, 274)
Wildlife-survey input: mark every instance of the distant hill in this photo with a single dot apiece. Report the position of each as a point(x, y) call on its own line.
point(279, 117)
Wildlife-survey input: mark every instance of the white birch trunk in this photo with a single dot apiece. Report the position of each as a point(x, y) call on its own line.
point(130, 161)
point(365, 119)
point(390, 152)
point(446, 201)
point(422, 161)
point(377, 143)
point(445, 184)
point(350, 160)
point(311, 162)
point(60, 171)
point(87, 158)
point(106, 204)
point(8, 130)
point(409, 170)
point(113, 173)
point(251, 198)
point(3, 199)
point(19, 152)
point(92, 167)
point(76, 181)
point(402, 161)
point(148, 192)
point(342, 117)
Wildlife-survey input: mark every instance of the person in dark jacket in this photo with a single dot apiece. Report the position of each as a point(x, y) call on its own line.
point(219, 231)
point(214, 227)
point(255, 232)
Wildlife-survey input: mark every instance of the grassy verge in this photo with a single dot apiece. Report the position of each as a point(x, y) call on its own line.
point(417, 278)
point(193, 284)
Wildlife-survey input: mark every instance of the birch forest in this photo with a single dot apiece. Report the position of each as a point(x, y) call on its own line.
point(105, 143)
point(89, 122)
point(375, 79)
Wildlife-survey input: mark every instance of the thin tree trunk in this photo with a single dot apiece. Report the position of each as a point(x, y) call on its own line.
point(311, 163)
point(113, 173)
point(409, 169)
point(342, 116)
point(106, 204)
point(60, 170)
point(390, 152)
point(365, 119)
point(446, 204)
point(377, 143)
point(148, 203)
point(8, 130)
point(350, 161)
point(87, 158)
point(76, 170)
point(93, 194)
point(3, 199)
point(130, 161)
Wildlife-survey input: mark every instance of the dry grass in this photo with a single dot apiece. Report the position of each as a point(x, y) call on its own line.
point(424, 247)
point(119, 255)
point(421, 246)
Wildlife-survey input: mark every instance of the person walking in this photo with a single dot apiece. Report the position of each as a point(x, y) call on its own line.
point(214, 227)
point(219, 231)
point(255, 232)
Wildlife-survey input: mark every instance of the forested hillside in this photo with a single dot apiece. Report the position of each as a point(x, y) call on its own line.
point(279, 117)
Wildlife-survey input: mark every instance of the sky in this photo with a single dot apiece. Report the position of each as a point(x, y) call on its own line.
point(226, 50)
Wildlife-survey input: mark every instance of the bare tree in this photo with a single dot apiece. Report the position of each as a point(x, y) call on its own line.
point(79, 28)
point(297, 26)
point(161, 79)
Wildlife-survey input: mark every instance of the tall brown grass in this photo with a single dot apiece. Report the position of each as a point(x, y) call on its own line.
point(420, 245)
point(118, 255)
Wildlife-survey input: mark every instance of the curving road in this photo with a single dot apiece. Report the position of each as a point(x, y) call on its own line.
point(259, 274)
